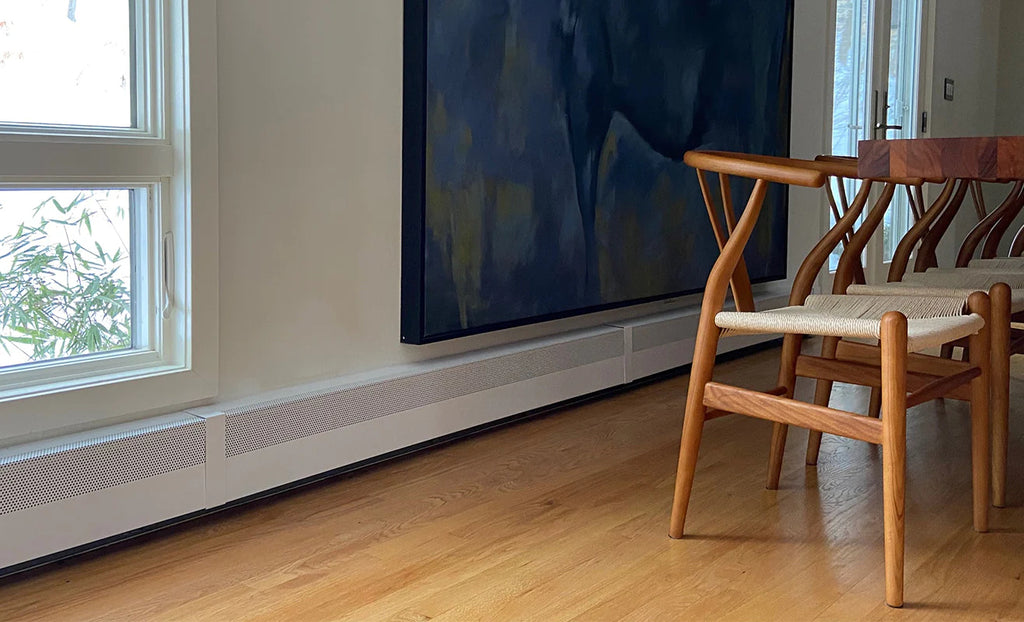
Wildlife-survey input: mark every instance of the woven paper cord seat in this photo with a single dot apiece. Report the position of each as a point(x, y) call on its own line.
point(956, 283)
point(1009, 264)
point(932, 321)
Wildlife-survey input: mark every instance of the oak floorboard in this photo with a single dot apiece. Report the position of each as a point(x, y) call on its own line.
point(565, 517)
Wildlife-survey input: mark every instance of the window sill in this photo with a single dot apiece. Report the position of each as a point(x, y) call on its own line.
point(79, 372)
point(69, 406)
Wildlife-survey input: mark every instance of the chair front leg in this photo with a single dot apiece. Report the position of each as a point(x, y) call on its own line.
point(693, 422)
point(894, 450)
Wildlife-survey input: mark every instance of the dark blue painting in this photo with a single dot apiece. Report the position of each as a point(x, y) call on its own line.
point(543, 146)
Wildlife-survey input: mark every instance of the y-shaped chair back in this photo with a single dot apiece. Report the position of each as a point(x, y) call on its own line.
point(948, 202)
point(730, 270)
point(992, 228)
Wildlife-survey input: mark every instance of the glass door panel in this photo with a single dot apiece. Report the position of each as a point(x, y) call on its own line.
point(876, 78)
point(851, 77)
point(902, 110)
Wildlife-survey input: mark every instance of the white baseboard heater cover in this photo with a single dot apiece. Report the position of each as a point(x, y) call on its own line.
point(252, 427)
point(290, 437)
point(65, 492)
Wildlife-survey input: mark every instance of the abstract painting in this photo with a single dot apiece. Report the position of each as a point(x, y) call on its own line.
point(543, 144)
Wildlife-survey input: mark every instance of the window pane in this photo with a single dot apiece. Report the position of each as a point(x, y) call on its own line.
point(66, 62)
point(65, 273)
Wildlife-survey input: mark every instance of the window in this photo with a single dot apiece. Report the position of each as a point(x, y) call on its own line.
point(102, 191)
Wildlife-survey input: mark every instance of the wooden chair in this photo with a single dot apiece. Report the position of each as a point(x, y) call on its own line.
point(990, 275)
point(902, 326)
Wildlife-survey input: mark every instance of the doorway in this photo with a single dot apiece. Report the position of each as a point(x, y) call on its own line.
point(878, 89)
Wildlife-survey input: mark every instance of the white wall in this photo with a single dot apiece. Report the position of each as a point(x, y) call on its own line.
point(1010, 86)
point(310, 107)
point(811, 69)
point(310, 158)
point(966, 50)
point(1010, 76)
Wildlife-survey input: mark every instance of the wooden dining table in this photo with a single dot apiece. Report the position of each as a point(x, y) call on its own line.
point(984, 158)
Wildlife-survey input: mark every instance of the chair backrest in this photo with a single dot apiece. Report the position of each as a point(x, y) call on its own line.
point(992, 227)
point(825, 172)
point(849, 261)
point(995, 237)
point(734, 237)
point(951, 197)
point(932, 224)
point(927, 251)
point(850, 269)
point(841, 207)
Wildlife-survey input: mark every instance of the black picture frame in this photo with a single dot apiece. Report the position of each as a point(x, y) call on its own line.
point(414, 131)
point(414, 165)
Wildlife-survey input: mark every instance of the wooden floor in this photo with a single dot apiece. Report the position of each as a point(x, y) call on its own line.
point(565, 518)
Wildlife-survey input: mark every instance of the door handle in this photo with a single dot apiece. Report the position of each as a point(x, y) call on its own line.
point(883, 126)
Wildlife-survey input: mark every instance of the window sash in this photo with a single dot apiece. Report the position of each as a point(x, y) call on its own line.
point(66, 161)
point(149, 327)
point(150, 107)
point(74, 156)
point(188, 374)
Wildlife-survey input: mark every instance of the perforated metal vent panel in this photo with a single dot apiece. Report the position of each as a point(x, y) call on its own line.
point(660, 333)
point(270, 423)
point(64, 470)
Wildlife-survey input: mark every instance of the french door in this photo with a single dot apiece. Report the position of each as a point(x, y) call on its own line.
point(877, 92)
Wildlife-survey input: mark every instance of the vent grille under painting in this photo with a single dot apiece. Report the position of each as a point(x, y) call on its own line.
point(661, 333)
point(259, 426)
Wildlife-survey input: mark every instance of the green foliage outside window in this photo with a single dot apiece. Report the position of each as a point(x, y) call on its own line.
point(61, 292)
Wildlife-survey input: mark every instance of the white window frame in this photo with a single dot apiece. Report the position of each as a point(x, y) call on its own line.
point(173, 149)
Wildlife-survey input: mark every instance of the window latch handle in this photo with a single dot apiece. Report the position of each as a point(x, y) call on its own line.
point(167, 277)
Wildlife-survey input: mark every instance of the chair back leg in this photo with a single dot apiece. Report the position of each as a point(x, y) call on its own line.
point(822, 396)
point(705, 348)
point(787, 378)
